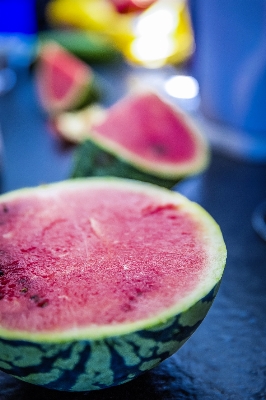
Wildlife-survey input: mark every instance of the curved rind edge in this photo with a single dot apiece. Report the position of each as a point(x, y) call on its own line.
point(91, 160)
point(96, 364)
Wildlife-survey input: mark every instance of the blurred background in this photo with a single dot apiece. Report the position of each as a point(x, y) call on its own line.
point(210, 58)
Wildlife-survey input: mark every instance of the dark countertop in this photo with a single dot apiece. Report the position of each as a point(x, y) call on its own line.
point(226, 356)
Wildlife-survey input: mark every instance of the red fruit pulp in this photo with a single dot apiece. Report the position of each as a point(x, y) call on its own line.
point(75, 258)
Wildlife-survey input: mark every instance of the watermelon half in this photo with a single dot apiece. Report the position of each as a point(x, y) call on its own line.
point(142, 137)
point(101, 279)
point(63, 81)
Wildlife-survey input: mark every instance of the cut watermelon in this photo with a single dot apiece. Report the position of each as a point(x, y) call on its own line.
point(63, 81)
point(101, 279)
point(141, 137)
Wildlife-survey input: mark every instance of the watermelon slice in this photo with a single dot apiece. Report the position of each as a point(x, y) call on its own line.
point(142, 137)
point(101, 279)
point(63, 81)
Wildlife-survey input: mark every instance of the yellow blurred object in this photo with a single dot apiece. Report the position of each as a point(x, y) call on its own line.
point(160, 35)
point(92, 15)
point(96, 15)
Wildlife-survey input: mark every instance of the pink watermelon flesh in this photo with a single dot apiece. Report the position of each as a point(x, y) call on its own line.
point(79, 257)
point(63, 70)
point(148, 127)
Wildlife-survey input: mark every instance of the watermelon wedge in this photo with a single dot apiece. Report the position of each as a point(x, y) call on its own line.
point(63, 81)
point(142, 137)
point(101, 280)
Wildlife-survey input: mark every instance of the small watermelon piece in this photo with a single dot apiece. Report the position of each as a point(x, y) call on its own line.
point(63, 81)
point(101, 279)
point(144, 137)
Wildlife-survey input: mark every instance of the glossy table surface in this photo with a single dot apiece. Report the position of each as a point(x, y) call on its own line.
point(226, 356)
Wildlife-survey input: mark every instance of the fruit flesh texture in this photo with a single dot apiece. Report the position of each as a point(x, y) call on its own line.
point(81, 258)
point(152, 130)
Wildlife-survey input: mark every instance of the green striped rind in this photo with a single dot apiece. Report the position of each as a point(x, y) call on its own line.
point(91, 160)
point(82, 365)
point(88, 46)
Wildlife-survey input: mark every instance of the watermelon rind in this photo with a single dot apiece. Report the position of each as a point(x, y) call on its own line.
point(90, 159)
point(96, 357)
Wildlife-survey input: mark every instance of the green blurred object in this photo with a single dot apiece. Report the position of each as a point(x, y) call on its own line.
point(92, 160)
point(88, 46)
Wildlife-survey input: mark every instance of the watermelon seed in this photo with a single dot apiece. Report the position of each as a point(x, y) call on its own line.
point(24, 284)
point(39, 302)
point(5, 208)
point(1, 273)
point(158, 149)
point(35, 298)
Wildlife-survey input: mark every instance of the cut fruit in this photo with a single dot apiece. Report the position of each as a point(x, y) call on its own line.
point(101, 279)
point(63, 81)
point(142, 137)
